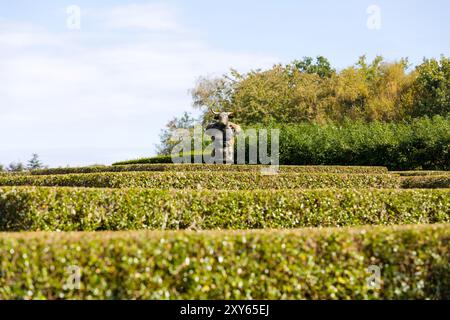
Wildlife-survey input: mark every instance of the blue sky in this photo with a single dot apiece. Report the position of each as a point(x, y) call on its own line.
point(102, 92)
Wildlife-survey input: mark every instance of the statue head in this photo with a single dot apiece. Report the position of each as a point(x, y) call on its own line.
point(223, 117)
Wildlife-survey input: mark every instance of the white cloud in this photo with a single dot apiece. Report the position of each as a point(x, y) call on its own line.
point(102, 89)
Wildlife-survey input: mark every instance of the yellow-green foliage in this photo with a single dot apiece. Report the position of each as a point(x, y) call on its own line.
point(206, 180)
point(79, 209)
point(275, 264)
point(210, 167)
point(307, 91)
point(427, 181)
point(413, 173)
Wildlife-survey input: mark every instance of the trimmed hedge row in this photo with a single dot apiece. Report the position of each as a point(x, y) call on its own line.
point(7, 173)
point(274, 264)
point(209, 167)
point(80, 209)
point(420, 173)
point(207, 180)
point(421, 144)
point(429, 182)
point(167, 159)
point(152, 160)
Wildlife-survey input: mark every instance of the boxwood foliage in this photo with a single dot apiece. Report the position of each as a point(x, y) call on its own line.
point(167, 158)
point(79, 209)
point(209, 167)
point(206, 180)
point(430, 181)
point(150, 160)
point(421, 144)
point(420, 173)
point(272, 264)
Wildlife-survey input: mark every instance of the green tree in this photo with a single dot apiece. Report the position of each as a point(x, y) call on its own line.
point(1, 168)
point(312, 91)
point(372, 70)
point(16, 167)
point(376, 91)
point(321, 67)
point(432, 87)
point(186, 121)
point(214, 93)
point(34, 163)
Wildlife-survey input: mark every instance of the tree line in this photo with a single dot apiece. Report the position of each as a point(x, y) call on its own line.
point(312, 91)
point(33, 164)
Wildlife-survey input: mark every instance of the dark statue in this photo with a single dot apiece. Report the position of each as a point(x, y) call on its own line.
point(223, 133)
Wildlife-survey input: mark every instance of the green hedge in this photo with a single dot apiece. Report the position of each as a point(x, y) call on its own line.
point(150, 160)
point(420, 173)
point(421, 144)
point(209, 167)
point(79, 209)
point(7, 173)
point(274, 264)
point(206, 180)
point(430, 181)
point(158, 159)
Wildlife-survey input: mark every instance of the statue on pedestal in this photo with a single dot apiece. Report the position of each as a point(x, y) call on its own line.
point(223, 133)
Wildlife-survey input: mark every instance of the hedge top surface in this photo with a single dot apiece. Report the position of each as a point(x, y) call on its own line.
point(421, 173)
point(221, 234)
point(210, 167)
point(426, 181)
point(206, 180)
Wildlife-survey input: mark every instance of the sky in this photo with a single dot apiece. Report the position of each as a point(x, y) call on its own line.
point(94, 82)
